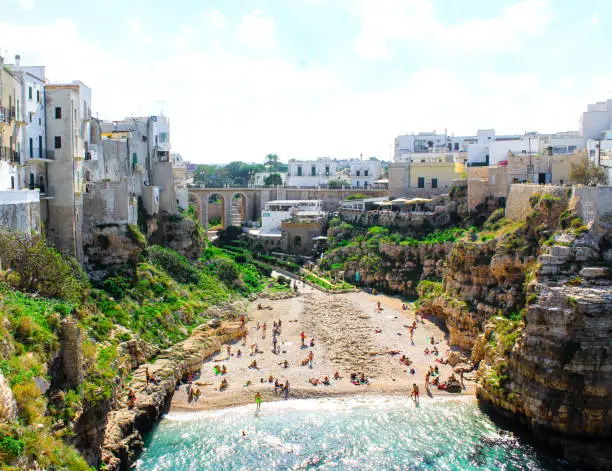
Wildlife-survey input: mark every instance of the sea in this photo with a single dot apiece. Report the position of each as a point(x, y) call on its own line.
point(350, 434)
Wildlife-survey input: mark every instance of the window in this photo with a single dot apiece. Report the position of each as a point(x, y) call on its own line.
point(358, 173)
point(58, 112)
point(29, 93)
point(37, 96)
point(365, 173)
point(163, 137)
point(327, 171)
point(12, 183)
point(421, 182)
point(456, 146)
point(39, 121)
point(31, 147)
point(297, 241)
point(313, 171)
point(571, 149)
point(299, 171)
point(40, 147)
point(434, 183)
point(58, 142)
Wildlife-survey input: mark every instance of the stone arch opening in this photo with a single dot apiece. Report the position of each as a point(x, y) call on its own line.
point(194, 202)
point(239, 209)
point(216, 211)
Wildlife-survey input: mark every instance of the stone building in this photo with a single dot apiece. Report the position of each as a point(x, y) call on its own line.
point(68, 119)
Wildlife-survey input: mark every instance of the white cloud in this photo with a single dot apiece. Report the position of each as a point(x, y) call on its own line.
point(231, 106)
point(139, 32)
point(595, 19)
point(256, 31)
point(416, 21)
point(26, 4)
point(215, 20)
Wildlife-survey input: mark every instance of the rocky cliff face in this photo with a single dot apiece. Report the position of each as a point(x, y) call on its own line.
point(538, 320)
point(179, 234)
point(123, 440)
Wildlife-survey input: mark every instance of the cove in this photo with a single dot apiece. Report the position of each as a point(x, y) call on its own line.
point(356, 433)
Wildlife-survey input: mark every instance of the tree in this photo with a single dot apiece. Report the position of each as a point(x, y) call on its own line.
point(272, 162)
point(273, 180)
point(586, 173)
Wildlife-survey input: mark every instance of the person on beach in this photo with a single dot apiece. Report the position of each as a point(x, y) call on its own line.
point(253, 364)
point(244, 337)
point(238, 353)
point(415, 393)
point(147, 375)
point(310, 358)
point(303, 337)
point(258, 401)
point(223, 370)
point(274, 344)
point(378, 308)
point(427, 380)
point(263, 334)
point(412, 335)
point(286, 390)
point(312, 343)
point(336, 376)
point(229, 351)
point(277, 386)
point(258, 326)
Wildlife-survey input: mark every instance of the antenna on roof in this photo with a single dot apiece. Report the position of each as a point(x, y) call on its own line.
point(162, 103)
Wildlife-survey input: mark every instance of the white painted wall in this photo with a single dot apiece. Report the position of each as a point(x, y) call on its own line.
point(596, 119)
point(364, 172)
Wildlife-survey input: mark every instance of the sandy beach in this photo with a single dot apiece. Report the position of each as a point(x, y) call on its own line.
point(350, 335)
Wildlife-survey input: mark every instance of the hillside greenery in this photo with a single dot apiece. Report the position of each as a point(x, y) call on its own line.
point(159, 300)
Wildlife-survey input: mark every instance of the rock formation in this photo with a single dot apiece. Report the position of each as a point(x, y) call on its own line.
point(538, 319)
point(8, 405)
point(123, 439)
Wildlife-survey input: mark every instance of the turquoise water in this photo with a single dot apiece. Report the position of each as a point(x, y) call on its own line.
point(353, 434)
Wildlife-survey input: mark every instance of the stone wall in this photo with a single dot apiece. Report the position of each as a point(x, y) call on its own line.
point(518, 206)
point(20, 210)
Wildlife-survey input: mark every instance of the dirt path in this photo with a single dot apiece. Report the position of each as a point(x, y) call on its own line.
point(350, 335)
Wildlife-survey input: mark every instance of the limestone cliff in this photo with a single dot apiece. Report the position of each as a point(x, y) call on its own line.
point(123, 440)
point(538, 317)
point(179, 234)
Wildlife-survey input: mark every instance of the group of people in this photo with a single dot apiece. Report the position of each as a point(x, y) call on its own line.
point(359, 378)
point(308, 360)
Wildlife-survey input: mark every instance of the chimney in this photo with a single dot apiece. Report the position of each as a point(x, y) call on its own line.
point(17, 60)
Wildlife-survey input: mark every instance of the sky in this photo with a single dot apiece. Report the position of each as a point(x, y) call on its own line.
point(303, 79)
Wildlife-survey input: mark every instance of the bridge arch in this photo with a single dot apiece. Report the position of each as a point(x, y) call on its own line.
point(240, 208)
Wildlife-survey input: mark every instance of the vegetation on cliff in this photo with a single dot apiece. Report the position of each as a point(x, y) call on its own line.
point(158, 301)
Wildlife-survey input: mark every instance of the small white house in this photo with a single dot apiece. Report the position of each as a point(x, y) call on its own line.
point(311, 173)
point(364, 172)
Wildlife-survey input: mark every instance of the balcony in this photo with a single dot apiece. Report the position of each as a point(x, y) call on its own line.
point(38, 154)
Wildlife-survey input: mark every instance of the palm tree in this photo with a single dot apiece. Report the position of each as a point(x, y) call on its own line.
point(271, 163)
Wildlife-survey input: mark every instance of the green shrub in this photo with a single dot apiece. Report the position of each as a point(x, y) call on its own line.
point(137, 236)
point(10, 446)
point(174, 264)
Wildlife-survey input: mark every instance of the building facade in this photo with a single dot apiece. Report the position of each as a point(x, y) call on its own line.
point(311, 173)
point(364, 173)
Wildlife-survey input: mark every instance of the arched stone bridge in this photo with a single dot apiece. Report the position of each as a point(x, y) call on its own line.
point(245, 204)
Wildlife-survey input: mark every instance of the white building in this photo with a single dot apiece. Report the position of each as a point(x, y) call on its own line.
point(275, 212)
point(596, 120)
point(311, 173)
point(364, 172)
